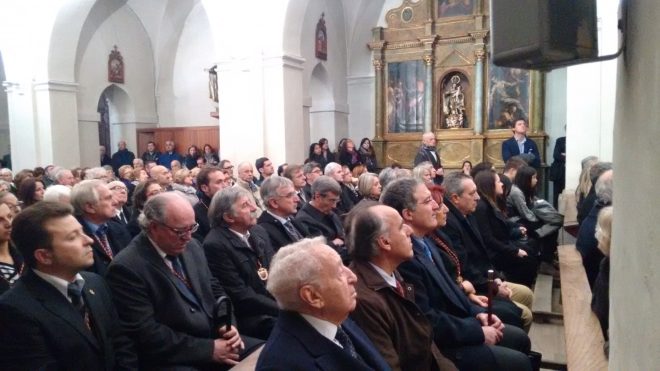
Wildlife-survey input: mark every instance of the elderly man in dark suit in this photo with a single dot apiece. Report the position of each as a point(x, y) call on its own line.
point(318, 216)
point(462, 330)
point(57, 316)
point(95, 207)
point(281, 202)
point(428, 152)
point(239, 253)
point(166, 295)
point(379, 242)
point(316, 293)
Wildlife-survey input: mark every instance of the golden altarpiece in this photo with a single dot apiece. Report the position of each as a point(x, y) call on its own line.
point(432, 73)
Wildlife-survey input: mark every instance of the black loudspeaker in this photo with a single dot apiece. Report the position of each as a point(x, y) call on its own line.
point(542, 34)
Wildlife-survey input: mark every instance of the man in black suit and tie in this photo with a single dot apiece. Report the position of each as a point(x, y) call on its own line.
point(281, 202)
point(239, 253)
point(165, 293)
point(311, 171)
point(57, 316)
point(462, 329)
point(428, 152)
point(316, 293)
point(120, 193)
point(94, 206)
point(318, 216)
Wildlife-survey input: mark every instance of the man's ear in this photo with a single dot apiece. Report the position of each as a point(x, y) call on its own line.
point(228, 218)
point(43, 256)
point(384, 242)
point(89, 208)
point(308, 294)
point(406, 214)
point(204, 188)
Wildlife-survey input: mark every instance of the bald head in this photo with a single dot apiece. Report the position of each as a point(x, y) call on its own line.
point(162, 175)
point(428, 139)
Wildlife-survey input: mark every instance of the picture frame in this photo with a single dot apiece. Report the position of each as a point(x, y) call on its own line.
point(455, 8)
point(510, 96)
point(404, 108)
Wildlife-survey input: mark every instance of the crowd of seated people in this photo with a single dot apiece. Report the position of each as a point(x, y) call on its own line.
point(330, 264)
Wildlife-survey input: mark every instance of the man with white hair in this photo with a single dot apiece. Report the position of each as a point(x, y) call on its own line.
point(58, 193)
point(279, 195)
point(315, 293)
point(96, 173)
point(65, 177)
point(120, 193)
point(94, 207)
point(245, 180)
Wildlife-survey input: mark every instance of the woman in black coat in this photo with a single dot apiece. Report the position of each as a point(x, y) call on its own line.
point(507, 243)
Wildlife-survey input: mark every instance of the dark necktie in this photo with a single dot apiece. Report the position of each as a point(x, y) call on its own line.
point(74, 290)
point(427, 249)
point(346, 343)
point(177, 268)
point(399, 289)
point(292, 231)
point(102, 236)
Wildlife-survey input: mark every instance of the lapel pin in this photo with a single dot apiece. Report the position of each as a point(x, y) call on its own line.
point(92, 292)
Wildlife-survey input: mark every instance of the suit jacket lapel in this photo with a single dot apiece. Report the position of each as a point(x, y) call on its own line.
point(195, 280)
point(439, 274)
point(56, 303)
point(151, 255)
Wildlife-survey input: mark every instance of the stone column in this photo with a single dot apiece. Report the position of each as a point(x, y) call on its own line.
point(477, 114)
point(22, 134)
point(57, 123)
point(428, 93)
point(379, 103)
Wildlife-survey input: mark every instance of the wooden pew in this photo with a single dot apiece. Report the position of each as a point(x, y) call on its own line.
point(584, 338)
point(249, 363)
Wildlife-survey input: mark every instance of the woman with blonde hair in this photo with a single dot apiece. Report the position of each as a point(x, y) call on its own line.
point(183, 182)
point(424, 172)
point(584, 184)
point(369, 186)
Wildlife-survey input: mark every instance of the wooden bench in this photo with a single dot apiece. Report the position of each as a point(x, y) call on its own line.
point(584, 338)
point(250, 362)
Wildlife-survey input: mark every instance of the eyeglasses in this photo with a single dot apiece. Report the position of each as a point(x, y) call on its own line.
point(118, 188)
point(181, 233)
point(331, 199)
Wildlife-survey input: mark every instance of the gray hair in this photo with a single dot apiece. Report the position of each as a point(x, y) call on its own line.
point(310, 166)
point(155, 209)
point(291, 268)
point(418, 171)
point(58, 193)
point(364, 227)
point(325, 184)
point(388, 175)
point(6, 170)
point(400, 194)
point(223, 202)
point(604, 187)
point(270, 186)
point(61, 172)
point(453, 183)
point(598, 169)
point(96, 173)
point(365, 183)
point(85, 192)
point(330, 167)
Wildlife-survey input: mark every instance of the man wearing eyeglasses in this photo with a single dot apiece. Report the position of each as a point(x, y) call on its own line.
point(95, 207)
point(165, 294)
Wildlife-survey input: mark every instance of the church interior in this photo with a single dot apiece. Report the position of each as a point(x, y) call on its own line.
point(270, 77)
